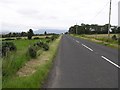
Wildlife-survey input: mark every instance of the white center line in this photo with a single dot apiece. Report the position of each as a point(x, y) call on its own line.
point(87, 47)
point(110, 61)
point(77, 41)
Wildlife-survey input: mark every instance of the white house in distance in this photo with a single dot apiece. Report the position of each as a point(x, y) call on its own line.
point(119, 13)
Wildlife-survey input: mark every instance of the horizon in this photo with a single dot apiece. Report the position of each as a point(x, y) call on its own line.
point(42, 30)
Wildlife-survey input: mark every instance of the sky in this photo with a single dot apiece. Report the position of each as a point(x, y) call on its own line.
point(21, 15)
point(119, 14)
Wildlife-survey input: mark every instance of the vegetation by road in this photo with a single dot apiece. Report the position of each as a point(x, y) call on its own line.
point(42, 47)
point(97, 33)
point(101, 39)
point(93, 29)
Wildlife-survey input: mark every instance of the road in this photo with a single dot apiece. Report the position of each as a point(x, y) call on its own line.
point(83, 64)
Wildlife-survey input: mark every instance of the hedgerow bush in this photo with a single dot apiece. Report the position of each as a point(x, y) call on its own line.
point(32, 52)
point(45, 47)
point(40, 43)
point(114, 37)
point(54, 37)
point(47, 37)
point(119, 41)
point(7, 39)
point(36, 38)
point(8, 46)
point(48, 41)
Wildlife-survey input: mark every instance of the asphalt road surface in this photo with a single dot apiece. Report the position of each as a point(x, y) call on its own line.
point(84, 64)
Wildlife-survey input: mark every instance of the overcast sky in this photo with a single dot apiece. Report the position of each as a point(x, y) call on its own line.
point(21, 15)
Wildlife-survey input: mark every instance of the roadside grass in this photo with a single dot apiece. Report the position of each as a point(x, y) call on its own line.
point(36, 79)
point(100, 39)
point(0, 73)
point(15, 60)
point(33, 81)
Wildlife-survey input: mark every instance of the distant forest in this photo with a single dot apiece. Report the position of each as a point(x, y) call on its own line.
point(93, 29)
point(23, 34)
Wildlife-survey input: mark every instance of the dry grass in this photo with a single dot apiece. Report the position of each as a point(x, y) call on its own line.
point(32, 65)
point(100, 35)
point(101, 39)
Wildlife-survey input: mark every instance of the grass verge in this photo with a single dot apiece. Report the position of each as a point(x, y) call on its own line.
point(102, 39)
point(36, 79)
point(17, 59)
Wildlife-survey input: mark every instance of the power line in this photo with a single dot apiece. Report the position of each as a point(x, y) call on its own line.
point(100, 11)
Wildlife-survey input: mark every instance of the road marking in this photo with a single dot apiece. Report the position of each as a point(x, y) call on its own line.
point(77, 41)
point(87, 47)
point(110, 61)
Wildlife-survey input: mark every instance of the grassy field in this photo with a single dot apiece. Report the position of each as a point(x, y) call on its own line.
point(26, 37)
point(101, 39)
point(100, 35)
point(19, 59)
point(15, 60)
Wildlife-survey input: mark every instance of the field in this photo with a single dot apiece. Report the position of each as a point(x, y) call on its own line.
point(101, 39)
point(101, 35)
point(43, 36)
point(17, 60)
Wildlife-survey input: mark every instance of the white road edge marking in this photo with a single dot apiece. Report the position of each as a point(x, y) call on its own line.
point(87, 47)
point(77, 41)
point(110, 61)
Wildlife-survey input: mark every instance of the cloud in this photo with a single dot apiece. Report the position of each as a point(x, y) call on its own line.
point(27, 11)
point(54, 13)
point(6, 1)
point(35, 14)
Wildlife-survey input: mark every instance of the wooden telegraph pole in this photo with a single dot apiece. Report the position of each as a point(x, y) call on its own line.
point(109, 26)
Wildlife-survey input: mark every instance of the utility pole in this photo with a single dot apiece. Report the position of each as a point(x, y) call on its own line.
point(109, 27)
point(76, 28)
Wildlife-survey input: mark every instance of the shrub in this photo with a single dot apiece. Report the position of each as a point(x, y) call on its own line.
point(30, 34)
point(47, 41)
point(54, 37)
point(40, 44)
point(32, 52)
point(36, 38)
point(119, 41)
point(47, 37)
point(9, 39)
point(8, 46)
point(114, 37)
point(11, 46)
point(45, 47)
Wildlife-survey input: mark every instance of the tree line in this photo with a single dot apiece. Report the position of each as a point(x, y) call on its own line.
point(16, 34)
point(92, 29)
point(28, 34)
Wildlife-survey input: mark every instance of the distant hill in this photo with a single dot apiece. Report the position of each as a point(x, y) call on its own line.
point(4, 32)
point(41, 31)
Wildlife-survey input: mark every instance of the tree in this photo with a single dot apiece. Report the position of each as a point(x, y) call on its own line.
point(23, 34)
point(9, 35)
point(30, 34)
point(14, 34)
point(45, 33)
